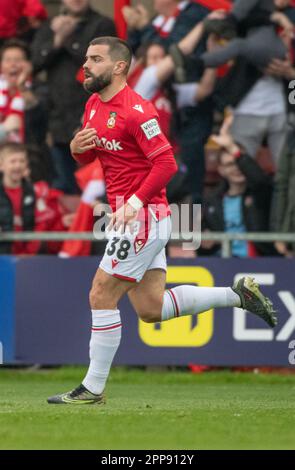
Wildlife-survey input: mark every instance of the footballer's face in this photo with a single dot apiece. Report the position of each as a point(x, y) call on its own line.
point(98, 68)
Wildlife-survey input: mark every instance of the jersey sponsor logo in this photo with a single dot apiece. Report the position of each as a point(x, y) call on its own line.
point(112, 120)
point(92, 113)
point(108, 144)
point(151, 128)
point(138, 107)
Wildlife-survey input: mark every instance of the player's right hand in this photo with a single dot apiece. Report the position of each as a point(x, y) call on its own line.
point(84, 140)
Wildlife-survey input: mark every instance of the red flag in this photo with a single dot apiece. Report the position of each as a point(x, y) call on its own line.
point(120, 23)
point(88, 177)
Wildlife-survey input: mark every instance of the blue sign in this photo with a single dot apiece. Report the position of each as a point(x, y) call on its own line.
point(50, 315)
point(7, 303)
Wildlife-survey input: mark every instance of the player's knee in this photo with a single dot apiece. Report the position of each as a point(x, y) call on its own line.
point(97, 295)
point(148, 316)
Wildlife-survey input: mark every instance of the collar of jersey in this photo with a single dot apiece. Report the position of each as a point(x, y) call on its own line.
point(117, 95)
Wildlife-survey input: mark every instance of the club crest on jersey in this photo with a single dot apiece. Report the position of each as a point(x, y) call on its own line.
point(112, 120)
point(92, 113)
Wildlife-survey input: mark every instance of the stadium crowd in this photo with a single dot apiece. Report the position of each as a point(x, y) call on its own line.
point(221, 82)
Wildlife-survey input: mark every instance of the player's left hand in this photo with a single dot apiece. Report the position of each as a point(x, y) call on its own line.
point(122, 217)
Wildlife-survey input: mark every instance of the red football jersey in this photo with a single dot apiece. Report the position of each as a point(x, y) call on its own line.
point(129, 139)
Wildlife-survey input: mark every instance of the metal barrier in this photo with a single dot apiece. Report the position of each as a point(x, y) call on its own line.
point(224, 239)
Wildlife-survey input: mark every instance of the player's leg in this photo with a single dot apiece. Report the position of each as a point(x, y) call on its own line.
point(105, 293)
point(153, 304)
point(147, 296)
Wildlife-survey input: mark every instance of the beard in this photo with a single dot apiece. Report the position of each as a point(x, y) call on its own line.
point(97, 84)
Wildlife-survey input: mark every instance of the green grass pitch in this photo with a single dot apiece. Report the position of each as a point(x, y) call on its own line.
point(149, 410)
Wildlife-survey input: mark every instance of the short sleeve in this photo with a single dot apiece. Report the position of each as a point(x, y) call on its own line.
point(144, 127)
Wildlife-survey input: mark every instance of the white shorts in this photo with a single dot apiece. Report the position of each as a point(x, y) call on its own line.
point(128, 256)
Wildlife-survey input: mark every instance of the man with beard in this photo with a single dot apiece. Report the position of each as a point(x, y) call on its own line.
point(122, 129)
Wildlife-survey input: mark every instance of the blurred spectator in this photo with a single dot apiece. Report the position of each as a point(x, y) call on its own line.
point(154, 82)
point(193, 120)
point(258, 100)
point(146, 81)
point(253, 21)
point(20, 18)
point(22, 101)
point(283, 210)
point(59, 48)
point(192, 123)
point(175, 18)
point(286, 7)
point(261, 116)
point(242, 201)
point(91, 182)
point(13, 60)
point(17, 198)
point(25, 205)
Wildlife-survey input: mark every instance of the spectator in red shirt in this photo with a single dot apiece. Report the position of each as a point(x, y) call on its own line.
point(23, 102)
point(21, 17)
point(23, 206)
point(13, 63)
point(17, 197)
